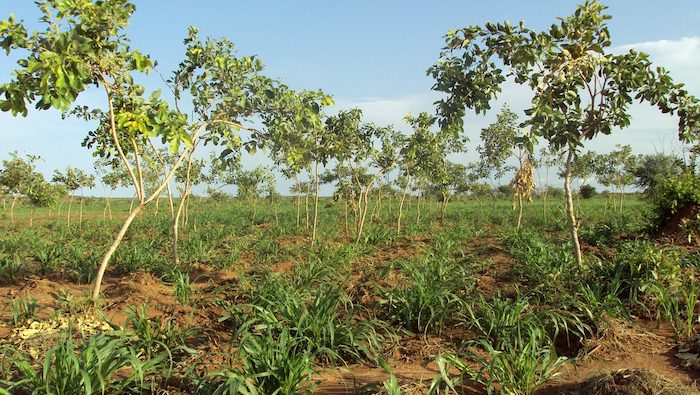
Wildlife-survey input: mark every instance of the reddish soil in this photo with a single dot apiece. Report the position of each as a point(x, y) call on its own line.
point(412, 359)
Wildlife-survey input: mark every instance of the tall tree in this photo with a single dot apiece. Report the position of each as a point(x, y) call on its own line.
point(16, 177)
point(579, 89)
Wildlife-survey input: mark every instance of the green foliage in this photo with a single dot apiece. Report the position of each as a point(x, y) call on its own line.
point(430, 299)
point(183, 287)
point(587, 191)
point(321, 320)
point(654, 169)
point(505, 322)
point(103, 365)
point(676, 193)
point(278, 365)
point(517, 371)
point(156, 335)
point(23, 309)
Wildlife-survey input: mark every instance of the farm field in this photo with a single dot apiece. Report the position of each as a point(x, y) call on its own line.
point(413, 198)
point(357, 314)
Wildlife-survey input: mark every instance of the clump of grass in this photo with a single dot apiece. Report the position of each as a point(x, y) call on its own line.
point(23, 309)
point(430, 300)
point(515, 370)
point(183, 287)
point(93, 368)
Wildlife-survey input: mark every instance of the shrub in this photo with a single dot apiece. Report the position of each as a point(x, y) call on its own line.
point(587, 191)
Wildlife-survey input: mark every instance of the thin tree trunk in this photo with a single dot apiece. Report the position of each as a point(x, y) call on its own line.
point(12, 210)
point(80, 216)
point(170, 200)
point(403, 199)
point(176, 227)
point(306, 202)
point(622, 198)
point(347, 224)
point(110, 251)
point(313, 233)
point(70, 203)
point(520, 210)
point(544, 205)
point(573, 223)
point(298, 192)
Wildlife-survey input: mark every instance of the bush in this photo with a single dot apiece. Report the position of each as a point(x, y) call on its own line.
point(678, 192)
point(587, 191)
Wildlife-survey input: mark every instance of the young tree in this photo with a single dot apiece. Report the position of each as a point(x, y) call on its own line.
point(579, 89)
point(111, 175)
point(617, 169)
point(43, 194)
point(74, 180)
point(524, 180)
point(548, 158)
point(653, 169)
point(16, 177)
point(84, 44)
point(497, 144)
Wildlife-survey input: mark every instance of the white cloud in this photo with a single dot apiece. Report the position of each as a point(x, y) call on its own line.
point(385, 111)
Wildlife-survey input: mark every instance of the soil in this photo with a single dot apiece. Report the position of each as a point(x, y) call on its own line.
point(676, 227)
point(641, 345)
point(412, 360)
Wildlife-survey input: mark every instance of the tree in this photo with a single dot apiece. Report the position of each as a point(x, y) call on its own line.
point(297, 128)
point(17, 176)
point(524, 180)
point(587, 191)
point(547, 159)
point(617, 169)
point(43, 194)
point(652, 170)
point(579, 89)
point(497, 144)
point(74, 180)
point(424, 155)
point(84, 44)
point(111, 176)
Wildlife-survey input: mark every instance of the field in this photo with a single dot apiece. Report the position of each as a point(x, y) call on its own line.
point(470, 303)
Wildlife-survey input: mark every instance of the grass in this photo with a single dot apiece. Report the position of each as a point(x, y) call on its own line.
point(508, 308)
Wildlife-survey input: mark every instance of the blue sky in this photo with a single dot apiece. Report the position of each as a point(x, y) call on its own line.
point(371, 54)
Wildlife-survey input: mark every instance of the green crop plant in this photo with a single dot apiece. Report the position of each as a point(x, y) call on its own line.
point(430, 300)
point(514, 370)
point(321, 320)
point(513, 322)
point(182, 287)
point(23, 309)
point(155, 335)
point(104, 365)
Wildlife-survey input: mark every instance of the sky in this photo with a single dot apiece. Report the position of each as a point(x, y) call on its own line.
point(366, 53)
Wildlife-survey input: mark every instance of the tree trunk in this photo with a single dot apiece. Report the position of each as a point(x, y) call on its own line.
point(622, 198)
point(347, 221)
point(296, 180)
point(176, 226)
point(544, 205)
point(313, 233)
point(70, 203)
point(110, 251)
point(403, 199)
point(12, 210)
point(520, 210)
point(443, 208)
point(80, 216)
point(573, 223)
point(306, 202)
